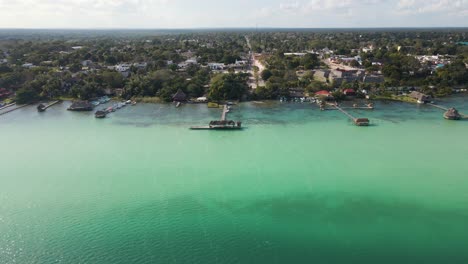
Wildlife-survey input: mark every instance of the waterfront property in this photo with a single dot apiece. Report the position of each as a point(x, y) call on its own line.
point(420, 97)
point(222, 124)
point(81, 106)
point(179, 96)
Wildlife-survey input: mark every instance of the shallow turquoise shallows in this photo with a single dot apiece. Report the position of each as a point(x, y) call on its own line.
point(296, 186)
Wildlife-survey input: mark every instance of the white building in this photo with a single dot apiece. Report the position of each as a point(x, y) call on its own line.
point(122, 67)
point(28, 65)
point(140, 65)
point(214, 66)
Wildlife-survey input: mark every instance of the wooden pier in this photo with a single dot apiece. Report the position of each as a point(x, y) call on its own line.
point(356, 108)
point(224, 114)
point(6, 106)
point(222, 124)
point(356, 121)
point(459, 116)
point(42, 107)
point(13, 109)
point(438, 106)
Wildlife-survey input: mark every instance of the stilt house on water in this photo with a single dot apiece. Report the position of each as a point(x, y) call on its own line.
point(452, 114)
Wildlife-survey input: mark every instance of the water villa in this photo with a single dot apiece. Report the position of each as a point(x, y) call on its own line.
point(222, 124)
point(356, 121)
point(101, 113)
point(361, 122)
point(452, 114)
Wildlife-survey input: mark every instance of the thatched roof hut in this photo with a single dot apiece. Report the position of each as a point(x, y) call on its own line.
point(180, 96)
point(452, 114)
point(422, 98)
point(361, 121)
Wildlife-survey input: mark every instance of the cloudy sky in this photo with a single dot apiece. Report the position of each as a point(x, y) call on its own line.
point(232, 13)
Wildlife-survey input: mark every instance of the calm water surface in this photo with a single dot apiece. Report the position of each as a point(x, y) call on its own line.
point(296, 186)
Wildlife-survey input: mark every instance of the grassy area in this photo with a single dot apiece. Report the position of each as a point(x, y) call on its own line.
point(149, 100)
point(400, 98)
point(64, 98)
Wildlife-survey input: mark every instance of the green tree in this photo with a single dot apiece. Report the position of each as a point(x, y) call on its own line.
point(266, 74)
point(228, 87)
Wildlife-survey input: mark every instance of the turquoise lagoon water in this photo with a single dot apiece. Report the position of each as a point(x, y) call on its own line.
point(296, 186)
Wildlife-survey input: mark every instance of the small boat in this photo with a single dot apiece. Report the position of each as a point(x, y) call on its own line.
point(178, 104)
point(128, 102)
point(95, 103)
point(41, 108)
point(110, 109)
point(134, 102)
point(100, 114)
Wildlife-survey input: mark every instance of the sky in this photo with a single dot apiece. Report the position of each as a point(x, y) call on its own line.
point(233, 13)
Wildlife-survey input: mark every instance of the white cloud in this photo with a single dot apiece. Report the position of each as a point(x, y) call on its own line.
point(450, 7)
point(290, 6)
point(240, 13)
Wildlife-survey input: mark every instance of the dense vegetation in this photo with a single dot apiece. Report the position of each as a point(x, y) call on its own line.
point(49, 65)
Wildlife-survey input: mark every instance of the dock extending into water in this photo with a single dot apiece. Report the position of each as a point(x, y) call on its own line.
point(224, 114)
point(42, 107)
point(13, 108)
point(222, 124)
point(450, 113)
point(356, 121)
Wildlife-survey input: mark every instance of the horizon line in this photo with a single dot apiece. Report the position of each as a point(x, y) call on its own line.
point(217, 28)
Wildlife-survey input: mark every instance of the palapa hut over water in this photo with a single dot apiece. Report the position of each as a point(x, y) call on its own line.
point(180, 96)
point(452, 114)
point(422, 98)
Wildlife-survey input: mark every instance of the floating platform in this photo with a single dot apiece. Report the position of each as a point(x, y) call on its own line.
point(222, 124)
point(215, 128)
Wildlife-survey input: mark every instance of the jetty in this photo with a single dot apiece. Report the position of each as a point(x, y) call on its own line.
point(356, 121)
point(43, 107)
point(10, 108)
point(450, 113)
point(104, 112)
point(225, 111)
point(221, 124)
point(6, 106)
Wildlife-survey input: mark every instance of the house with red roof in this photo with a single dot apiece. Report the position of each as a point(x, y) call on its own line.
point(349, 92)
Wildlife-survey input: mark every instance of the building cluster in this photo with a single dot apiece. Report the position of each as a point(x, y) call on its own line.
point(435, 61)
point(338, 76)
point(238, 65)
point(341, 59)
